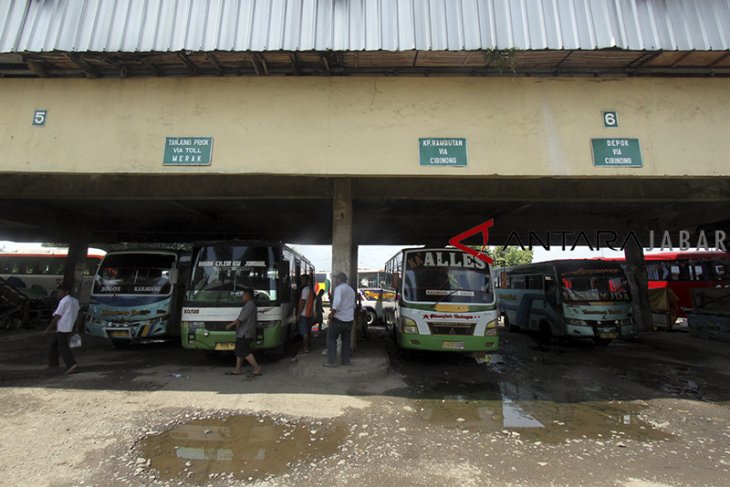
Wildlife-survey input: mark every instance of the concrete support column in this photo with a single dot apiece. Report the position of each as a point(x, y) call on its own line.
point(343, 246)
point(75, 265)
point(639, 285)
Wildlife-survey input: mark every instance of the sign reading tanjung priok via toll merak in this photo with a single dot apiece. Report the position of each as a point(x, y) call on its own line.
point(188, 151)
point(440, 151)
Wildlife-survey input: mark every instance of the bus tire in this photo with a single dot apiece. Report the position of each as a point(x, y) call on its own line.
point(544, 334)
point(370, 317)
point(508, 324)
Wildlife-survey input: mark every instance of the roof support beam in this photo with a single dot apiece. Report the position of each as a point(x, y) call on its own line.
point(192, 68)
point(88, 69)
point(212, 60)
point(38, 69)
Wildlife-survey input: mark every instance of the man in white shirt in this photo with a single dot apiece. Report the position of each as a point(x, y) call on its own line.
point(342, 316)
point(64, 322)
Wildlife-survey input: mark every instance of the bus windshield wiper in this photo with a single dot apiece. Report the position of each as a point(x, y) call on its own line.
point(450, 294)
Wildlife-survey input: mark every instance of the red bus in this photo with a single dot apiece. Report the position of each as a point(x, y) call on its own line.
point(683, 271)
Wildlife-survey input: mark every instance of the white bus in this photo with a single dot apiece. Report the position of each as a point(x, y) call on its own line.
point(137, 296)
point(377, 303)
point(38, 271)
point(219, 273)
point(444, 301)
point(585, 298)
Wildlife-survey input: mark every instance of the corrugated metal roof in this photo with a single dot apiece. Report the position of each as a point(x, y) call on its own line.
point(361, 25)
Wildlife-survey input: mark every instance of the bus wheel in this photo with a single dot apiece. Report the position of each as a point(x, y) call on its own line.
point(508, 324)
point(545, 335)
point(370, 317)
point(601, 342)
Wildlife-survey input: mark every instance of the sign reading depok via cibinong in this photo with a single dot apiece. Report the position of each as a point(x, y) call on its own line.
point(188, 151)
point(439, 151)
point(616, 152)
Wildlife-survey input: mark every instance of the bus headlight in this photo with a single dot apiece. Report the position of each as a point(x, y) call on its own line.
point(409, 326)
point(491, 332)
point(575, 322)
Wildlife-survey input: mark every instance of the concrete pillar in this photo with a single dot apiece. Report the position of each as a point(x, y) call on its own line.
point(344, 249)
point(639, 285)
point(342, 242)
point(75, 266)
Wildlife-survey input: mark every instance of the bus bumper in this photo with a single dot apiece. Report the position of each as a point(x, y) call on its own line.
point(448, 343)
point(127, 332)
point(199, 338)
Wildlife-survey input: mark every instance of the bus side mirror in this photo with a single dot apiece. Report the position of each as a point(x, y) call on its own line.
point(174, 275)
point(284, 269)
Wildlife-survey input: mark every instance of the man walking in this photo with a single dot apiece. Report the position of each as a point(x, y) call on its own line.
point(305, 312)
point(64, 323)
point(245, 333)
point(342, 316)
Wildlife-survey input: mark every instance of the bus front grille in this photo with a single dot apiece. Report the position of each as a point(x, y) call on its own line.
point(451, 328)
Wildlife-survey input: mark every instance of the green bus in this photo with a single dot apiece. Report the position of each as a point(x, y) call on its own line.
point(220, 271)
point(444, 301)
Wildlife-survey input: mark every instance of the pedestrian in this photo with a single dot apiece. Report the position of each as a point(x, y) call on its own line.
point(319, 310)
point(245, 333)
point(64, 324)
point(305, 312)
point(342, 316)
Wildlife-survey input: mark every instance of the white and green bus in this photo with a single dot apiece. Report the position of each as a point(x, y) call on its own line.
point(583, 298)
point(137, 295)
point(220, 271)
point(444, 301)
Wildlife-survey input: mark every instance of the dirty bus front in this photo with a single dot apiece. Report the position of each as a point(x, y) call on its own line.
point(445, 301)
point(219, 274)
point(135, 297)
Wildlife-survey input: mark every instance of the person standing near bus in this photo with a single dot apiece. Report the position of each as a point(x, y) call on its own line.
point(305, 312)
point(342, 316)
point(245, 333)
point(319, 310)
point(64, 322)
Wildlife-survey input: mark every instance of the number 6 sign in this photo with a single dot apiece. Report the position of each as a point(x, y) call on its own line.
point(610, 120)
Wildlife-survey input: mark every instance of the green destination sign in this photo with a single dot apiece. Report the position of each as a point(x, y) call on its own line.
point(188, 151)
point(616, 152)
point(438, 151)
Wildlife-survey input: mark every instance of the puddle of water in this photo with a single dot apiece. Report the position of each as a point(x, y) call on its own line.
point(245, 446)
point(536, 416)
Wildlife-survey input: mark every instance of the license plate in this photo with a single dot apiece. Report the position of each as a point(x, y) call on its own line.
point(607, 335)
point(118, 333)
point(225, 346)
point(453, 345)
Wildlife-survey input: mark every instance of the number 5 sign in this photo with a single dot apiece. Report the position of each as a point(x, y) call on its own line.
point(610, 120)
point(39, 117)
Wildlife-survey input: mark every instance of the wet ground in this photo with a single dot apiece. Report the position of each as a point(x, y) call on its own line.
point(650, 412)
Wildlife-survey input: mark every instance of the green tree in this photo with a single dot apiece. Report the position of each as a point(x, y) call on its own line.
point(509, 256)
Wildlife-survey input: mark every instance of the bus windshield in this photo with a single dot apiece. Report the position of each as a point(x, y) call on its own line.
point(448, 276)
point(595, 285)
point(134, 274)
point(222, 272)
